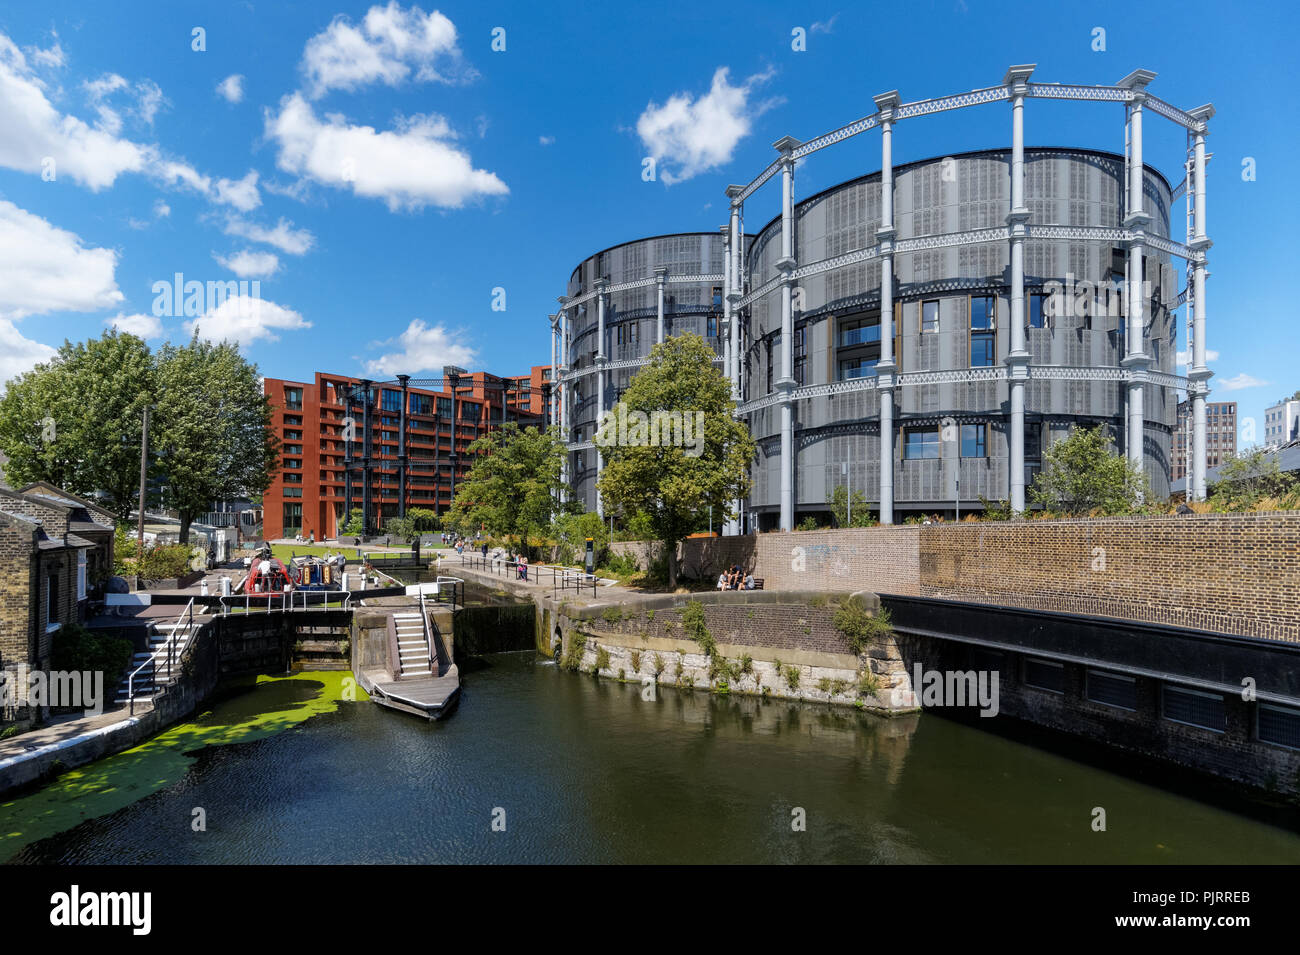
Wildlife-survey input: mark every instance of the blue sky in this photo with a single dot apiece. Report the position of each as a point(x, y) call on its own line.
point(380, 169)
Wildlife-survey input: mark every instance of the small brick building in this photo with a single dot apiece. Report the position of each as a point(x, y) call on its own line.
point(54, 547)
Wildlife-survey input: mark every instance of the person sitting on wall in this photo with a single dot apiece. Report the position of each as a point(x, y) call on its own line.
point(735, 577)
point(722, 580)
point(749, 581)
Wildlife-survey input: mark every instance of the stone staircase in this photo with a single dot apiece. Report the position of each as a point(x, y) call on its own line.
point(412, 646)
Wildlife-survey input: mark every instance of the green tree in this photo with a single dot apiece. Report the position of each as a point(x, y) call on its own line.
point(840, 508)
point(572, 531)
point(75, 420)
point(212, 431)
point(1247, 478)
point(513, 483)
point(1082, 475)
point(674, 478)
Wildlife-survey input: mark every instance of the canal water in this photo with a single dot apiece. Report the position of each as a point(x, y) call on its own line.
point(572, 769)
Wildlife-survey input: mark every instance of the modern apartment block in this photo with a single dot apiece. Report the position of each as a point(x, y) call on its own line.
point(923, 332)
point(384, 446)
point(1282, 421)
point(1220, 435)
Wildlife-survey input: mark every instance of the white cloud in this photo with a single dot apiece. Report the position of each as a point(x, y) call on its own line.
point(19, 354)
point(409, 168)
point(1210, 355)
point(1239, 382)
point(388, 47)
point(825, 26)
point(231, 89)
point(47, 269)
point(36, 133)
point(142, 326)
point(161, 210)
point(240, 193)
point(689, 136)
point(545, 140)
point(283, 236)
point(49, 58)
point(249, 264)
point(172, 172)
point(245, 319)
point(424, 348)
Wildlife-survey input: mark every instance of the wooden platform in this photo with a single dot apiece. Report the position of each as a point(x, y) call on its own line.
point(432, 697)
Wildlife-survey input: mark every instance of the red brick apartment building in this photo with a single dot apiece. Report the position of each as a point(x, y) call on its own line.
point(403, 453)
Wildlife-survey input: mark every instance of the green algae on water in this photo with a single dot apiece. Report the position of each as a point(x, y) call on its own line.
point(274, 704)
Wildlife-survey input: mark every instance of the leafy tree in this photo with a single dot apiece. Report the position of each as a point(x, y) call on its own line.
point(1248, 478)
point(212, 431)
point(352, 526)
point(514, 481)
point(1082, 475)
point(673, 482)
point(75, 420)
point(572, 531)
point(840, 508)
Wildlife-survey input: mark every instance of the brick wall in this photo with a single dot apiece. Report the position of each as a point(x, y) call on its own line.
point(1229, 573)
point(15, 590)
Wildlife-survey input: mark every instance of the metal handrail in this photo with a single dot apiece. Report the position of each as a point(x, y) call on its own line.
point(169, 642)
point(428, 637)
point(286, 598)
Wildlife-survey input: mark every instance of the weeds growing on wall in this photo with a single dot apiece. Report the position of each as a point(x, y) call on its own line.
point(859, 626)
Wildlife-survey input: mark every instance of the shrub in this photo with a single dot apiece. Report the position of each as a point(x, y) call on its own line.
point(76, 648)
point(693, 625)
point(621, 564)
point(859, 626)
point(807, 524)
point(792, 677)
point(995, 510)
point(868, 684)
point(602, 658)
point(165, 561)
point(635, 657)
point(577, 647)
point(658, 665)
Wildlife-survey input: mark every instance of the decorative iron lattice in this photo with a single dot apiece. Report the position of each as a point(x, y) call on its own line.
point(1161, 244)
point(1102, 94)
point(839, 135)
point(765, 289)
point(925, 107)
point(1168, 111)
point(757, 184)
point(949, 239)
point(839, 261)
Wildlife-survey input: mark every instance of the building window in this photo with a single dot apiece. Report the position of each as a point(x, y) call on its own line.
point(920, 443)
point(444, 407)
point(981, 349)
point(292, 520)
point(1044, 675)
point(1112, 689)
point(293, 449)
point(983, 312)
point(974, 438)
point(293, 436)
point(293, 399)
point(773, 353)
point(292, 492)
point(800, 353)
point(292, 463)
point(861, 331)
point(1038, 310)
point(856, 367)
point(293, 419)
point(420, 404)
point(52, 602)
point(1194, 707)
point(930, 316)
point(81, 575)
point(292, 478)
point(1279, 725)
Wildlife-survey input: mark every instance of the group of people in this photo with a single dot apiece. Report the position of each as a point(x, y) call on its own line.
point(735, 579)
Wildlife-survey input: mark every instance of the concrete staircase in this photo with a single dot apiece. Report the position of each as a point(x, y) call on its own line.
point(412, 646)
